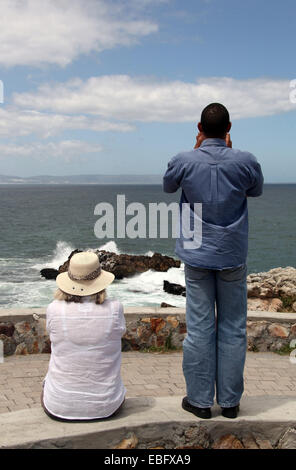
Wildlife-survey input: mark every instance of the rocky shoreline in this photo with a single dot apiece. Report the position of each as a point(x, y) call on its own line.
point(273, 291)
point(122, 265)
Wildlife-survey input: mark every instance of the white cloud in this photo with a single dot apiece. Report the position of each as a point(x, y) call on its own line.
point(142, 99)
point(65, 150)
point(17, 122)
point(37, 32)
point(140, 4)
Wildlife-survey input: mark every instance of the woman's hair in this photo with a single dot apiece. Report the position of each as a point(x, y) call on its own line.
point(98, 298)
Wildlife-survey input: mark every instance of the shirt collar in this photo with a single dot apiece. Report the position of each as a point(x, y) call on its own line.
point(213, 141)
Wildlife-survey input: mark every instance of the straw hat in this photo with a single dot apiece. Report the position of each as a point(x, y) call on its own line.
point(84, 276)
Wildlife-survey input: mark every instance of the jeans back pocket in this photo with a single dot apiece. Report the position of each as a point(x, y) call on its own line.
point(233, 274)
point(197, 274)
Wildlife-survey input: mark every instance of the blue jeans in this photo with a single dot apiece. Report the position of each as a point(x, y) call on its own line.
point(214, 350)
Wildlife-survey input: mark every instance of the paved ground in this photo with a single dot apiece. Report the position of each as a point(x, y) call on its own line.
point(143, 375)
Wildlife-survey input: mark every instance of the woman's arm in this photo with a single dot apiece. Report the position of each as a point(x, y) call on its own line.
point(48, 318)
point(121, 319)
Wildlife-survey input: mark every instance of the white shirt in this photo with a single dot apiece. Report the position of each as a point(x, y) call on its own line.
point(83, 379)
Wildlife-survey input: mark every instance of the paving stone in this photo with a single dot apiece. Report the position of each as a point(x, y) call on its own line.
point(146, 374)
point(151, 387)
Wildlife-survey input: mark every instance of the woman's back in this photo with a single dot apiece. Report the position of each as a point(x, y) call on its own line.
point(83, 379)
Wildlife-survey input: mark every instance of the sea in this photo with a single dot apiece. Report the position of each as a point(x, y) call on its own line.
point(42, 224)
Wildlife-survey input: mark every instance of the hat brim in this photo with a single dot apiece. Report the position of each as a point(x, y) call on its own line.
point(82, 288)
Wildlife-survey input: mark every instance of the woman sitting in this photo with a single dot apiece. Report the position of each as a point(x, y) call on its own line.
point(83, 381)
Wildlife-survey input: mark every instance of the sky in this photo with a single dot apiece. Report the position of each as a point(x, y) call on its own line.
point(118, 86)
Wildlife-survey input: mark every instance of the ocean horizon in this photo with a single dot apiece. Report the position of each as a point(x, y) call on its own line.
point(42, 224)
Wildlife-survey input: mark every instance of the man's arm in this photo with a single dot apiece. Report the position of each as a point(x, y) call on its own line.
point(256, 188)
point(172, 177)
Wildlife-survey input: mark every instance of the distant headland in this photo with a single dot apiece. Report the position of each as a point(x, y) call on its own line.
point(82, 179)
point(94, 179)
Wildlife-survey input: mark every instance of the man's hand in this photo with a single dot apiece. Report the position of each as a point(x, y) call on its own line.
point(228, 141)
point(199, 139)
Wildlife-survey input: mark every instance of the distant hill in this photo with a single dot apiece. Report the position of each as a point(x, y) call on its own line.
point(82, 179)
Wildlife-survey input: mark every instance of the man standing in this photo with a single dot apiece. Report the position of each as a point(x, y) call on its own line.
point(220, 178)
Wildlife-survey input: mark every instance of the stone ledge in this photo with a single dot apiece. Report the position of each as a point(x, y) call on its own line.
point(133, 313)
point(23, 332)
point(151, 419)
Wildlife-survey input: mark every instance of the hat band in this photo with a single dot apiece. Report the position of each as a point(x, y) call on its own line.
point(87, 277)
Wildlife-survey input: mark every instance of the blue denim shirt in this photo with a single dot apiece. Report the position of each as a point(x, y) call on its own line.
point(220, 178)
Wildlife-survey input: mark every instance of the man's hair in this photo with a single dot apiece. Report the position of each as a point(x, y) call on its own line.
point(214, 120)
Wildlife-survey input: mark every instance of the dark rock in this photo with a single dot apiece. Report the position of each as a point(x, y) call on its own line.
point(6, 329)
point(9, 345)
point(160, 341)
point(175, 289)
point(22, 328)
point(156, 324)
point(165, 305)
point(49, 273)
point(123, 265)
point(182, 328)
point(64, 267)
point(127, 265)
point(143, 334)
point(21, 350)
point(125, 345)
point(162, 263)
point(46, 347)
point(128, 343)
point(26, 338)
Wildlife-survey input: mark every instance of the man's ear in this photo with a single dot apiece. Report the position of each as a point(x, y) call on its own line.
point(229, 127)
point(199, 126)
